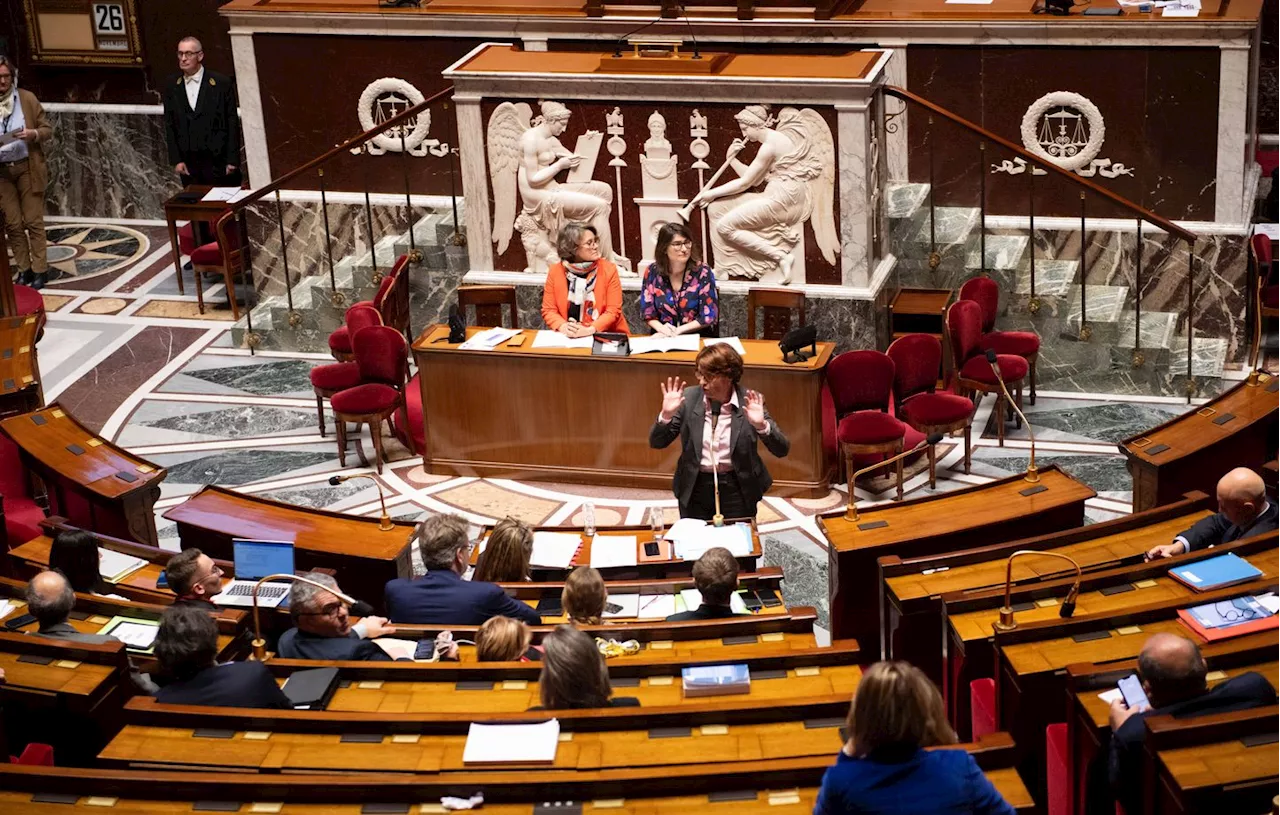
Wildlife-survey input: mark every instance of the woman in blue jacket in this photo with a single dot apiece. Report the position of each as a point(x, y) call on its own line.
point(884, 768)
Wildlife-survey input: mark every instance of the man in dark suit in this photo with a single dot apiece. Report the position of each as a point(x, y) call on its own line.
point(195, 578)
point(441, 596)
point(1173, 677)
point(1243, 510)
point(50, 600)
point(186, 646)
point(716, 576)
point(322, 628)
point(201, 126)
point(718, 423)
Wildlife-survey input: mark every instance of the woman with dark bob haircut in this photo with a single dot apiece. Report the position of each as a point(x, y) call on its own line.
point(884, 767)
point(678, 295)
point(75, 553)
point(574, 674)
point(740, 421)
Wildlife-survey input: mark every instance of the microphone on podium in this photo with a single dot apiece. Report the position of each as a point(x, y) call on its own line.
point(384, 523)
point(851, 511)
point(1006, 621)
point(1032, 475)
point(715, 408)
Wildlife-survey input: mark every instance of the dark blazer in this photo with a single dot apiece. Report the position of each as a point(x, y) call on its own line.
point(1217, 529)
point(213, 128)
point(64, 631)
point(235, 684)
point(919, 782)
point(442, 597)
point(753, 479)
point(1124, 768)
point(298, 644)
point(197, 602)
point(703, 612)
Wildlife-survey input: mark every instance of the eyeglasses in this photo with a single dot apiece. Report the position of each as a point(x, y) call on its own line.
point(681, 244)
point(216, 571)
point(589, 243)
point(182, 54)
point(331, 610)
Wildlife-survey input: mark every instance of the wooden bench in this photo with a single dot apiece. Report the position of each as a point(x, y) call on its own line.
point(1222, 762)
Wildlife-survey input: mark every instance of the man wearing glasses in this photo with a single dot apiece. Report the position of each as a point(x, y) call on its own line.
point(201, 125)
point(195, 578)
point(322, 629)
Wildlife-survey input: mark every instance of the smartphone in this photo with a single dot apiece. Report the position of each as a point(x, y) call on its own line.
point(1131, 689)
point(770, 598)
point(162, 582)
point(611, 608)
point(651, 549)
point(426, 649)
point(750, 600)
point(18, 622)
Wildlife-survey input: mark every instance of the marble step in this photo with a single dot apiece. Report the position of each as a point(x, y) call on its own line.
point(1105, 305)
point(1004, 253)
point(954, 225)
point(904, 199)
point(1208, 356)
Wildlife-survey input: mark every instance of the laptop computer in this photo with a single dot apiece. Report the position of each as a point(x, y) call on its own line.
point(255, 560)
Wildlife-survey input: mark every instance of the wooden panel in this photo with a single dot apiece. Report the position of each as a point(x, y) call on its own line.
point(20, 389)
point(518, 412)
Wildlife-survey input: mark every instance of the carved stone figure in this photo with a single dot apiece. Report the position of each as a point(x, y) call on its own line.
point(754, 233)
point(525, 154)
point(658, 177)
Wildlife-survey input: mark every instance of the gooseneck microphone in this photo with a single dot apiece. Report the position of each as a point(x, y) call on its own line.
point(1032, 475)
point(718, 518)
point(384, 523)
point(1006, 621)
point(851, 511)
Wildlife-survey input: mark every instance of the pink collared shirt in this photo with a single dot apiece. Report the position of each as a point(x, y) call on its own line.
point(716, 447)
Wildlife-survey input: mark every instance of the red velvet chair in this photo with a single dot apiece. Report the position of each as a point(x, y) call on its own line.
point(326, 380)
point(916, 358)
point(974, 374)
point(1059, 782)
point(408, 422)
point(382, 359)
point(22, 516)
point(29, 301)
point(982, 707)
point(1026, 344)
point(211, 258)
point(861, 384)
point(1266, 292)
point(391, 301)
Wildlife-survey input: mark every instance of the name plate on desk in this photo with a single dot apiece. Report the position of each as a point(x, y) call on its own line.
point(1157, 449)
point(1033, 490)
point(873, 525)
point(1224, 418)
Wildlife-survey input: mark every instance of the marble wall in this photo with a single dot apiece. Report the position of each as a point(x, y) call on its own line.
point(108, 165)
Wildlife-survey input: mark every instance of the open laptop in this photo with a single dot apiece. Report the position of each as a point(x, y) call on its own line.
point(255, 560)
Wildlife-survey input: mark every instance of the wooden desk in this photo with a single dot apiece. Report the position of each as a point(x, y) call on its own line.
point(99, 486)
point(1225, 775)
point(565, 415)
point(363, 557)
point(20, 388)
point(767, 578)
point(1194, 450)
point(197, 212)
point(973, 516)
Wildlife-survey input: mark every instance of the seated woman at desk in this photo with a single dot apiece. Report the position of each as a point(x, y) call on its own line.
point(679, 294)
point(505, 558)
point(584, 596)
point(583, 294)
point(574, 675)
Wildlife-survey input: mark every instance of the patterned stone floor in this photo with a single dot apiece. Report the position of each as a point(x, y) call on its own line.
point(171, 388)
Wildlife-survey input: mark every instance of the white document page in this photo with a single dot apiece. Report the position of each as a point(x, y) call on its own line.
point(6, 608)
point(220, 194)
point(685, 528)
point(735, 538)
point(627, 605)
point(657, 606)
point(656, 343)
point(240, 196)
point(554, 550)
point(136, 634)
point(732, 342)
point(490, 339)
point(396, 648)
point(554, 339)
point(1111, 695)
point(693, 598)
point(610, 551)
point(501, 743)
point(115, 566)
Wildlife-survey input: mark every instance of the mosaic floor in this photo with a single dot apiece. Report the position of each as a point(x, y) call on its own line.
point(131, 358)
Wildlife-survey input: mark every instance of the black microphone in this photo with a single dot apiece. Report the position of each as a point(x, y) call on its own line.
point(361, 609)
point(1069, 604)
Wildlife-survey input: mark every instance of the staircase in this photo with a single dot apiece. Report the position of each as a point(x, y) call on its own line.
point(320, 313)
point(1102, 359)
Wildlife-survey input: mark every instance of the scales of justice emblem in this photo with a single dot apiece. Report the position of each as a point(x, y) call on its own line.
point(383, 100)
point(1066, 129)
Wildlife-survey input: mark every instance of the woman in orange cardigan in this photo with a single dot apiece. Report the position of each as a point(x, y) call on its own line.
point(583, 294)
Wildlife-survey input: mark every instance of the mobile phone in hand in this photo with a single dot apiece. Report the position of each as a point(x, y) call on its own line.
point(1134, 696)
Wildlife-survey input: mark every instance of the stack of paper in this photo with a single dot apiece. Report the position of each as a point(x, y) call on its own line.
point(489, 339)
point(554, 339)
point(520, 743)
point(622, 605)
point(732, 342)
point(555, 550)
point(138, 635)
point(613, 551)
point(691, 541)
point(658, 343)
point(221, 194)
point(116, 566)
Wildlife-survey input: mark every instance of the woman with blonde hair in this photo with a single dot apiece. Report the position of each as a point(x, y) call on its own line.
point(505, 558)
point(502, 639)
point(584, 596)
point(897, 712)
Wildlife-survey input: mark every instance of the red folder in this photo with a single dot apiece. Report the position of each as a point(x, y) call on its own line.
point(1214, 634)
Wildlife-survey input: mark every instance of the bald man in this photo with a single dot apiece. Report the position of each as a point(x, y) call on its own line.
point(50, 600)
point(1173, 676)
point(1243, 511)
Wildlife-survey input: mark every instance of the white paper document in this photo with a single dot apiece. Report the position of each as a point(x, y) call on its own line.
point(521, 743)
point(220, 194)
point(657, 606)
point(554, 550)
point(554, 339)
point(657, 343)
point(240, 196)
point(8, 138)
point(732, 342)
point(1272, 231)
point(735, 538)
point(397, 649)
point(489, 340)
point(6, 608)
point(613, 551)
point(115, 566)
point(693, 598)
point(622, 605)
point(1269, 601)
point(1111, 695)
point(139, 634)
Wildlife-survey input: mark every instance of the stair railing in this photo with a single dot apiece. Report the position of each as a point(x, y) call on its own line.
point(236, 214)
point(1085, 188)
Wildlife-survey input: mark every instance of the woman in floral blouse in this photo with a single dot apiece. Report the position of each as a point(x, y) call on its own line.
point(679, 293)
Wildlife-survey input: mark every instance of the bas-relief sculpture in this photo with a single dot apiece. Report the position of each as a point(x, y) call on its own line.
point(754, 235)
point(1067, 129)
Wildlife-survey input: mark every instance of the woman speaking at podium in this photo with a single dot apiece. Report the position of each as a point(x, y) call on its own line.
point(719, 423)
point(582, 294)
point(679, 291)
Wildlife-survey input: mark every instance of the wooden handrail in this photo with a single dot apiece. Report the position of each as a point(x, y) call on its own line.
point(1037, 161)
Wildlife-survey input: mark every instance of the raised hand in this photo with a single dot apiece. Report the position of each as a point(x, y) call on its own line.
point(755, 410)
point(672, 397)
point(735, 147)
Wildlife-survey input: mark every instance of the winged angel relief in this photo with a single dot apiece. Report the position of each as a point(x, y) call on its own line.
point(526, 154)
point(756, 232)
